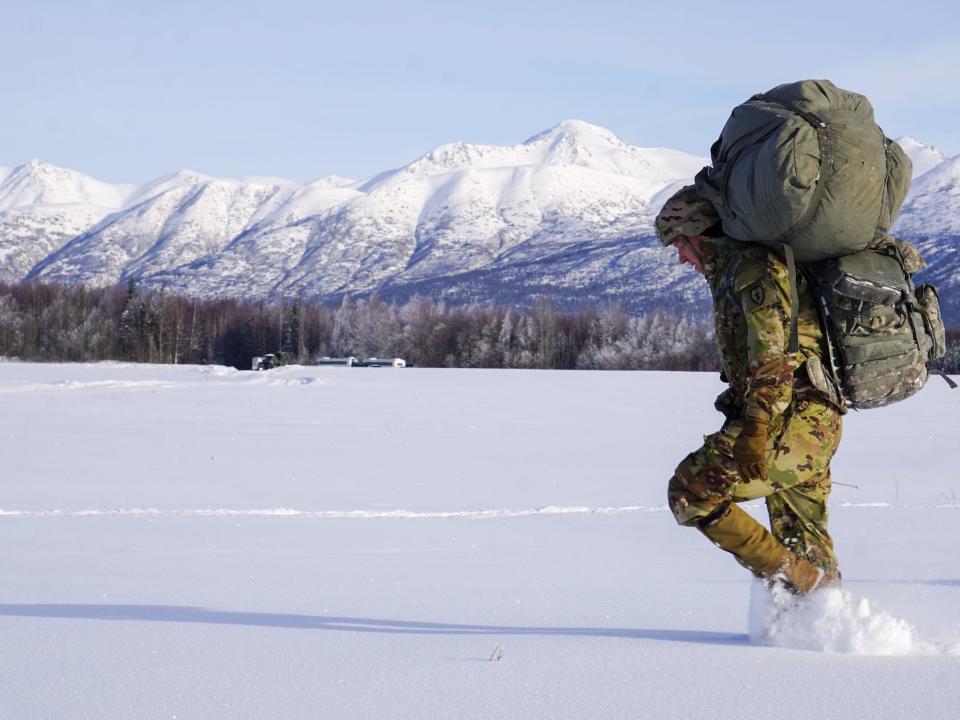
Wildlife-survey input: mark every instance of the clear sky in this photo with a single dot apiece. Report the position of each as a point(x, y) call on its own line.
point(125, 90)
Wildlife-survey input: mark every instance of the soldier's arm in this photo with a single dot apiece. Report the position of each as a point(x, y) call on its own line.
point(764, 291)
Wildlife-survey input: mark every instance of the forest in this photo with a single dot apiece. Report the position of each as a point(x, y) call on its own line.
point(56, 323)
point(61, 323)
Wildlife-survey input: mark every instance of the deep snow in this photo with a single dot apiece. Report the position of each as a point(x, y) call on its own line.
point(329, 542)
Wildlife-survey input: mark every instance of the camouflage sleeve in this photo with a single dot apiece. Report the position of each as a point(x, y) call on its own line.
point(764, 291)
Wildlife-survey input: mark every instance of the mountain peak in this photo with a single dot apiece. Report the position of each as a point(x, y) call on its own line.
point(933, 206)
point(924, 157)
point(165, 183)
point(568, 143)
point(943, 172)
point(330, 181)
point(39, 167)
point(577, 132)
point(36, 182)
point(188, 176)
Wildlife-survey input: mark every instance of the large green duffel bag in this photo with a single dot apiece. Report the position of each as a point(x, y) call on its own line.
point(805, 165)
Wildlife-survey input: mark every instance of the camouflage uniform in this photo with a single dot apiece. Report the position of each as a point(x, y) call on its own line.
point(751, 292)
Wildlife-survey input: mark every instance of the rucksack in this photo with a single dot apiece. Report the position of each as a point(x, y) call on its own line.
point(880, 329)
point(805, 167)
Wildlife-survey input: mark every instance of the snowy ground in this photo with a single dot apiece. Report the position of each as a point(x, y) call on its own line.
point(184, 542)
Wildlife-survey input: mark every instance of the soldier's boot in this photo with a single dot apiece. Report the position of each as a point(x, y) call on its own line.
point(803, 577)
point(734, 530)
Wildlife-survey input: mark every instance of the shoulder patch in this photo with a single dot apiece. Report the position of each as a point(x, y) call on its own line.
point(760, 294)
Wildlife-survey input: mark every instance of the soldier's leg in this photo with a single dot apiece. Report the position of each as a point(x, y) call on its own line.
point(798, 519)
point(705, 481)
point(702, 494)
point(800, 475)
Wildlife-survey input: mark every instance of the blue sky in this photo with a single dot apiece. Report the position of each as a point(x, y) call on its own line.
point(127, 91)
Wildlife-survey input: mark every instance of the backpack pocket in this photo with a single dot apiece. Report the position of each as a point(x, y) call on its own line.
point(928, 301)
point(869, 320)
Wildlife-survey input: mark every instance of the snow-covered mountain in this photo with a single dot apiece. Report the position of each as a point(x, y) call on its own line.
point(167, 223)
point(566, 215)
point(933, 206)
point(38, 183)
point(465, 209)
point(42, 207)
point(930, 217)
point(924, 157)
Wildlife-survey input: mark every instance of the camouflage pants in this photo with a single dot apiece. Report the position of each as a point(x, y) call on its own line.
point(801, 444)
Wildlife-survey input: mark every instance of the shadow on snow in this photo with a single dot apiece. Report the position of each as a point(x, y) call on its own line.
point(182, 614)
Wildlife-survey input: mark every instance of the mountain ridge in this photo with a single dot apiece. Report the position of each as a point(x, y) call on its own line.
point(567, 214)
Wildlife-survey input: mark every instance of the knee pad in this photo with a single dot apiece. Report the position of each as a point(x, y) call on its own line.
point(679, 502)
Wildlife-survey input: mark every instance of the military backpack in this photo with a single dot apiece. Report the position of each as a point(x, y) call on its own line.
point(805, 168)
point(880, 329)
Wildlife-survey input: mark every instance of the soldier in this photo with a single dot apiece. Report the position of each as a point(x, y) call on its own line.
point(782, 414)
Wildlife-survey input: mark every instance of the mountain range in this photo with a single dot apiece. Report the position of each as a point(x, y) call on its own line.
point(566, 215)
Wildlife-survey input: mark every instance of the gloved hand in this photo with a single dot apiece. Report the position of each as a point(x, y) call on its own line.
point(726, 403)
point(750, 450)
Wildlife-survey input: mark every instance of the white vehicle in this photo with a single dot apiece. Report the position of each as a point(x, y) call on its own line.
point(385, 362)
point(265, 362)
point(348, 361)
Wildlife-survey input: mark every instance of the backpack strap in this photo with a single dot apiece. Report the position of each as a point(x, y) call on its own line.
point(728, 284)
point(794, 345)
point(823, 316)
point(728, 281)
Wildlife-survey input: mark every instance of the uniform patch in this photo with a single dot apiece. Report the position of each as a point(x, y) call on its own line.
point(760, 294)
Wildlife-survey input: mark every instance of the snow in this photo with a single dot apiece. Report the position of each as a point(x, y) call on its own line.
point(199, 542)
point(166, 183)
point(43, 207)
point(566, 215)
point(39, 183)
point(834, 620)
point(463, 207)
point(923, 157)
point(570, 142)
point(459, 208)
point(932, 207)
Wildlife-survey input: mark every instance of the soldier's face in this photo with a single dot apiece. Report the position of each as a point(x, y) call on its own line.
point(689, 252)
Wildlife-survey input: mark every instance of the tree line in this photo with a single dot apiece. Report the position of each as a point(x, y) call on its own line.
point(46, 322)
point(61, 323)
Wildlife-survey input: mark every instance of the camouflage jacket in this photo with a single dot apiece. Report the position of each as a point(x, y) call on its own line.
point(751, 294)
